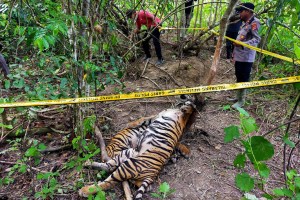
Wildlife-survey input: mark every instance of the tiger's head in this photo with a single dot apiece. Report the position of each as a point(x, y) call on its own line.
point(189, 108)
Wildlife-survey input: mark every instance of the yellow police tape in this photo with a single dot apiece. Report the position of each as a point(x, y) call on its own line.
point(150, 94)
point(243, 44)
point(261, 50)
point(174, 28)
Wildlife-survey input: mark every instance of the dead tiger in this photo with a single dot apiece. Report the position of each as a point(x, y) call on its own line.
point(152, 141)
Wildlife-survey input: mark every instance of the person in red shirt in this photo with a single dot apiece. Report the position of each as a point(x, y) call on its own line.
point(153, 24)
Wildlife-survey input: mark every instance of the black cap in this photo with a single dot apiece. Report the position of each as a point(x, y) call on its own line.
point(245, 6)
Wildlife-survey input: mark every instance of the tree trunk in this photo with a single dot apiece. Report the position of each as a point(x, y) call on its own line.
point(223, 24)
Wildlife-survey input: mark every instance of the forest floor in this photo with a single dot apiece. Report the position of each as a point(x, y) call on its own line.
point(209, 173)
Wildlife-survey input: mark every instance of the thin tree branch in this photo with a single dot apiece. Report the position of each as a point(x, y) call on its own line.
point(285, 26)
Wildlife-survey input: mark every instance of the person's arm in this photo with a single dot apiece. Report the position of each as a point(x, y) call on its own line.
point(138, 27)
point(254, 31)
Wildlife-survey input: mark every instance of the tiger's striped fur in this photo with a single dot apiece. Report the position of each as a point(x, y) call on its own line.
point(151, 145)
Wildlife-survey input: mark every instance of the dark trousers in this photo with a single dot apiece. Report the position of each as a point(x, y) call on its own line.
point(188, 10)
point(242, 71)
point(154, 35)
point(229, 44)
point(3, 66)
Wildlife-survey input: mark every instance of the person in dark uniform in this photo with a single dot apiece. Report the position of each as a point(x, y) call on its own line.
point(189, 8)
point(3, 65)
point(153, 24)
point(243, 56)
point(232, 31)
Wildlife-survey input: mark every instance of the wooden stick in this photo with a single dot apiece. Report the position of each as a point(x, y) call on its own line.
point(147, 62)
point(105, 158)
point(104, 155)
point(127, 190)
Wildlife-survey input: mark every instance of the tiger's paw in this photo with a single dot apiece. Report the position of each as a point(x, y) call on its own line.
point(82, 192)
point(184, 150)
point(87, 190)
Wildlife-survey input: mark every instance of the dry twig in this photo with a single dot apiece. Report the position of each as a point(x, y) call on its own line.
point(105, 158)
point(147, 62)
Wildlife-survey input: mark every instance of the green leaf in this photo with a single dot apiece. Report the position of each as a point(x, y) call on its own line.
point(267, 196)
point(22, 169)
point(63, 82)
point(53, 182)
point(45, 43)
point(283, 192)
point(39, 43)
point(287, 141)
point(40, 176)
point(1, 110)
point(155, 195)
point(112, 61)
point(278, 192)
point(19, 83)
point(6, 126)
point(248, 125)
point(240, 161)
point(231, 133)
point(42, 146)
point(226, 107)
point(92, 189)
point(296, 86)
point(261, 148)
point(32, 151)
point(291, 174)
point(164, 187)
point(263, 169)
point(106, 47)
point(297, 50)
point(297, 182)
point(244, 182)
point(114, 40)
point(100, 196)
point(243, 112)
point(7, 84)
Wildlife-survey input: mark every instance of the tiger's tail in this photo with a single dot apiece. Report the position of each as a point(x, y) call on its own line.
point(143, 188)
